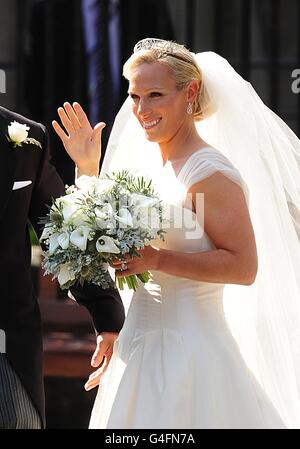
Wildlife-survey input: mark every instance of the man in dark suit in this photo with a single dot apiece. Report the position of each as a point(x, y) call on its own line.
point(27, 183)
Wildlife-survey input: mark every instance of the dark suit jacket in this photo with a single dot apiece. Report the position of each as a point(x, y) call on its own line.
point(19, 312)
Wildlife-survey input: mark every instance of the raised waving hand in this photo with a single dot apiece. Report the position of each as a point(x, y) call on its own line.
point(81, 141)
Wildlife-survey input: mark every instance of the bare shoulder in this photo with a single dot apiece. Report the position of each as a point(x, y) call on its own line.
point(226, 216)
point(218, 188)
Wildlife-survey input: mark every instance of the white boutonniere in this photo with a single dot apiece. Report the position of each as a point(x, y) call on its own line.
point(18, 134)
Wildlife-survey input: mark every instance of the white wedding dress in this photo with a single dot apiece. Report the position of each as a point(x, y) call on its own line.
point(175, 364)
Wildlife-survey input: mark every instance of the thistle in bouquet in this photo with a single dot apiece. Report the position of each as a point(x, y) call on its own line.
point(97, 222)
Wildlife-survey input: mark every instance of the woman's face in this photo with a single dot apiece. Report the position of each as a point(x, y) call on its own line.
point(158, 105)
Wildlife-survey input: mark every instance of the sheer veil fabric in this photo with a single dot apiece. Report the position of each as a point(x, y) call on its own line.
point(264, 317)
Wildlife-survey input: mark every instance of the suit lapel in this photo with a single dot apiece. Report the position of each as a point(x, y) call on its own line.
point(7, 165)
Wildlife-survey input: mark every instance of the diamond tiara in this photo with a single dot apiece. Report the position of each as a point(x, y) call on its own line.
point(167, 48)
point(160, 44)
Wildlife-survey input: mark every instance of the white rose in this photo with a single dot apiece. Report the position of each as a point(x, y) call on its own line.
point(104, 185)
point(65, 274)
point(100, 223)
point(68, 210)
point(142, 200)
point(105, 216)
point(106, 244)
point(79, 237)
point(69, 205)
point(18, 132)
point(106, 211)
point(87, 183)
point(79, 218)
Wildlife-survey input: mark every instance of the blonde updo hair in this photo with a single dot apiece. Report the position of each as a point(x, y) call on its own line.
point(181, 64)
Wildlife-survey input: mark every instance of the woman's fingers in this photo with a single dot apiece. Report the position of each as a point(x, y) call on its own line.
point(93, 380)
point(72, 116)
point(97, 133)
point(125, 257)
point(60, 132)
point(65, 120)
point(81, 115)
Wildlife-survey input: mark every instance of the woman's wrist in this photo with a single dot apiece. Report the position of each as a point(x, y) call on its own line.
point(158, 259)
point(88, 170)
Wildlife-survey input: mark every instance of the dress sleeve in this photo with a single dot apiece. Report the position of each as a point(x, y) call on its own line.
point(205, 163)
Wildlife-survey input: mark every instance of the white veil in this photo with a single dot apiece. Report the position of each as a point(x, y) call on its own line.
point(264, 317)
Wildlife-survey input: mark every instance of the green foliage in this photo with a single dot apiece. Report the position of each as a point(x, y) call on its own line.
point(33, 238)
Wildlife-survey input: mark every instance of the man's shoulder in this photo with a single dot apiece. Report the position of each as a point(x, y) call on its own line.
point(11, 116)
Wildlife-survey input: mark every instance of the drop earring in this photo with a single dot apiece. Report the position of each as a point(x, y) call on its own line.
point(189, 109)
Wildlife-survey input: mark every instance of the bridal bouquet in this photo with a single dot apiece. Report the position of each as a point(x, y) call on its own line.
point(98, 221)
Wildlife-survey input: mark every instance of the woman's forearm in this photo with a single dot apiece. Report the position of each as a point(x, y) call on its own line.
point(219, 266)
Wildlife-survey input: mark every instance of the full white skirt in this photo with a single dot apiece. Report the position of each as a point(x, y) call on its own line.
point(175, 365)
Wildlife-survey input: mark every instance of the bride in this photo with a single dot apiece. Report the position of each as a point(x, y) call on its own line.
point(212, 341)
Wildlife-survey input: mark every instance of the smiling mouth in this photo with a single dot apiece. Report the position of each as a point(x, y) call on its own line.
point(152, 124)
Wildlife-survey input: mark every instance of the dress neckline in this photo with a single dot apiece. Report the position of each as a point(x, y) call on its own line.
point(191, 156)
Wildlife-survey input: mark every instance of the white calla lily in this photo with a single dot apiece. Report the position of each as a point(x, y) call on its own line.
point(79, 237)
point(64, 240)
point(53, 242)
point(106, 244)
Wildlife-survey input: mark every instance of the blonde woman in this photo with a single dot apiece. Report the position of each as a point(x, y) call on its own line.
point(208, 342)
